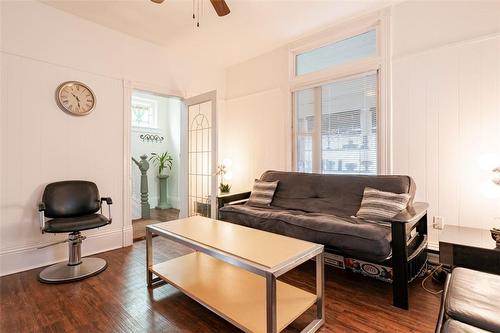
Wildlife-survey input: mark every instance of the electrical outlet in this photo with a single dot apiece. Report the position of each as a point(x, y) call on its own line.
point(438, 222)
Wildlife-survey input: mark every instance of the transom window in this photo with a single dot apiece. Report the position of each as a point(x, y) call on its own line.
point(144, 112)
point(334, 54)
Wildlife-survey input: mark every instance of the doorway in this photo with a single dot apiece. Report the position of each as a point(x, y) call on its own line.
point(155, 146)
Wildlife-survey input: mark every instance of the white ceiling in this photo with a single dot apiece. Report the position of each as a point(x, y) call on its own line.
point(252, 27)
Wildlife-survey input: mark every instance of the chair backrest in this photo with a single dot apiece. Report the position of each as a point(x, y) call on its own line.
point(331, 194)
point(71, 198)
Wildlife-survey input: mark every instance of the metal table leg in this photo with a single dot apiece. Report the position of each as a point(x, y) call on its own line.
point(149, 257)
point(320, 296)
point(320, 286)
point(271, 303)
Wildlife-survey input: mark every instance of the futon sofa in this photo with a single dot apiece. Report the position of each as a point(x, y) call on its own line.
point(322, 208)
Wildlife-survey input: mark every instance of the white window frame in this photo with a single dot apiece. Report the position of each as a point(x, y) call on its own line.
point(380, 63)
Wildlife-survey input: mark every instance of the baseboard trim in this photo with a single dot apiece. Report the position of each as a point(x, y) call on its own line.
point(433, 246)
point(30, 257)
point(128, 235)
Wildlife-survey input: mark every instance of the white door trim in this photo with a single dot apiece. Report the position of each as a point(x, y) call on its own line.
point(128, 87)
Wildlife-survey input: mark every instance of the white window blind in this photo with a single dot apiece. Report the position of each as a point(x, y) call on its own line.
point(305, 127)
point(345, 142)
point(341, 52)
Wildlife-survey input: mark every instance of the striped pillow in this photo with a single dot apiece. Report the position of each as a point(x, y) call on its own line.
point(379, 205)
point(262, 193)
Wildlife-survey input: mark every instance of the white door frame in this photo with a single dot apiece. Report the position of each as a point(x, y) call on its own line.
point(210, 96)
point(128, 87)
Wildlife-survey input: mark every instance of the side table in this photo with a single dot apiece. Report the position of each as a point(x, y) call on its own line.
point(470, 248)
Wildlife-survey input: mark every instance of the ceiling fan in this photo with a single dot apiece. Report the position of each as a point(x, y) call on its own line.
point(220, 6)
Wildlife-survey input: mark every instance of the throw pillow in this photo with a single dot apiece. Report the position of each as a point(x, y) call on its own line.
point(262, 193)
point(379, 205)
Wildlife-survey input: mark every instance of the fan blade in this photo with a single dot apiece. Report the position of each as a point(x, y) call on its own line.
point(157, 1)
point(220, 7)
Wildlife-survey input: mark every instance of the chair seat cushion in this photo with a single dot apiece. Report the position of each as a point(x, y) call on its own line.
point(474, 298)
point(79, 223)
point(352, 236)
point(454, 326)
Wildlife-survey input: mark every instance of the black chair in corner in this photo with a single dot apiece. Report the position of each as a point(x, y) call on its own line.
point(72, 206)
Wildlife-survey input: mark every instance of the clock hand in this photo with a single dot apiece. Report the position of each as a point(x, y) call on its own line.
point(75, 97)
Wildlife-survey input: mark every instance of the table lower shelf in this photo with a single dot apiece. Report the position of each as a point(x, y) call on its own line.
point(233, 293)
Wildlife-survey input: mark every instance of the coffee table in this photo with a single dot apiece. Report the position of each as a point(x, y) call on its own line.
point(234, 272)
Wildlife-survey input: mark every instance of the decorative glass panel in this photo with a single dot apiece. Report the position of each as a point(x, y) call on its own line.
point(200, 159)
point(337, 53)
point(144, 112)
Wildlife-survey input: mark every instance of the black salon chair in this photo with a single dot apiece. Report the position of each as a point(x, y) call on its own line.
point(72, 206)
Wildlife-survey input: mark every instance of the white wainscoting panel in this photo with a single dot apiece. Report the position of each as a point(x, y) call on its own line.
point(446, 116)
point(42, 144)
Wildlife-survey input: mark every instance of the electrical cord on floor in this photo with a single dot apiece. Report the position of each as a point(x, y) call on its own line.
point(431, 274)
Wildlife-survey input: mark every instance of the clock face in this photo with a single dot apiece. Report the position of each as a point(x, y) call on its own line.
point(75, 98)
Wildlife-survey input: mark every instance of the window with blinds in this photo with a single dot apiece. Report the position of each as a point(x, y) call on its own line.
point(336, 126)
point(334, 54)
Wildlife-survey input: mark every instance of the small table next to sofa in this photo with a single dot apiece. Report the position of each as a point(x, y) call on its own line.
point(467, 247)
point(320, 208)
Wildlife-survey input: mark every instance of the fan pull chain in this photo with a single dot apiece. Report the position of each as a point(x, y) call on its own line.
point(196, 11)
point(198, 21)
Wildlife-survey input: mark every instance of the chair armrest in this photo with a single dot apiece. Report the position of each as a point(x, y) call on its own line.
point(109, 202)
point(237, 202)
point(41, 215)
point(229, 198)
point(411, 214)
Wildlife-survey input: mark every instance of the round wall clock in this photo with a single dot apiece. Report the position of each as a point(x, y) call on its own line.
point(75, 98)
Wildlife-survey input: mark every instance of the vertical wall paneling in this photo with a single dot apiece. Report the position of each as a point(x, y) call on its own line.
point(446, 111)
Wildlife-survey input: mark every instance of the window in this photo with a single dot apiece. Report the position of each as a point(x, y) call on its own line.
point(341, 52)
point(144, 112)
point(336, 126)
point(339, 92)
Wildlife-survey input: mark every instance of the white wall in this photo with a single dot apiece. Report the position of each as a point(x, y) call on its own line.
point(446, 102)
point(424, 25)
point(254, 125)
point(40, 48)
point(445, 106)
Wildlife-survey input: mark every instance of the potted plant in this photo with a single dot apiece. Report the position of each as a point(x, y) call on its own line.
point(162, 162)
point(222, 171)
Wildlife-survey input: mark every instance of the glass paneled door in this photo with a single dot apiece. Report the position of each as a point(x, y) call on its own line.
point(202, 155)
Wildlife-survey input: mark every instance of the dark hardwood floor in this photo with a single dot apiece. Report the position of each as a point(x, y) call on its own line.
point(157, 215)
point(117, 300)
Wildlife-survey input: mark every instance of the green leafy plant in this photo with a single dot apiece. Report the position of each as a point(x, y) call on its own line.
point(162, 161)
point(224, 188)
